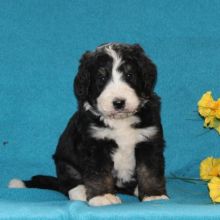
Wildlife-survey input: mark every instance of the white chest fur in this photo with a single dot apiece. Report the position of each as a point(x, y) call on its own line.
point(126, 137)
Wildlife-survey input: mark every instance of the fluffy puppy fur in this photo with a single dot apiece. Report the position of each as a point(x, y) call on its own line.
point(114, 142)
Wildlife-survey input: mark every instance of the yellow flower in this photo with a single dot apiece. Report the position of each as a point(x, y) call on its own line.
point(209, 168)
point(217, 109)
point(210, 110)
point(209, 121)
point(214, 189)
point(205, 104)
point(216, 125)
point(217, 128)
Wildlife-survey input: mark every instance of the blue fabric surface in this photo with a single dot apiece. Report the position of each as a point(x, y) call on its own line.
point(40, 45)
point(188, 201)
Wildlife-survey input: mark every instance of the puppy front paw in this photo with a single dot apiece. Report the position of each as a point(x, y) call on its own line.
point(151, 198)
point(107, 199)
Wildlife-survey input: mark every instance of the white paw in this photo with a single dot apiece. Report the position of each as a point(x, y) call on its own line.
point(107, 199)
point(78, 193)
point(151, 198)
point(16, 183)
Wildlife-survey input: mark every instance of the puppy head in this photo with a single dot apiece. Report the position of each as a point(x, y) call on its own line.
point(115, 79)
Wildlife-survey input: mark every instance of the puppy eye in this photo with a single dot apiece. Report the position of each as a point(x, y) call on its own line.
point(129, 76)
point(102, 75)
point(102, 78)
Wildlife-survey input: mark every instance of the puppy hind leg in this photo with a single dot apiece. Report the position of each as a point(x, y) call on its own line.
point(70, 181)
point(78, 193)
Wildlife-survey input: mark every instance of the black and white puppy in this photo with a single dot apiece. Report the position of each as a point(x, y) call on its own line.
point(114, 142)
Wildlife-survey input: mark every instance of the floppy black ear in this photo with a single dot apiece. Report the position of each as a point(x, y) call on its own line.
point(148, 69)
point(82, 80)
point(149, 72)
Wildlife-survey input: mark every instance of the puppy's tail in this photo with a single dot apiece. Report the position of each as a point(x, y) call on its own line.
point(40, 181)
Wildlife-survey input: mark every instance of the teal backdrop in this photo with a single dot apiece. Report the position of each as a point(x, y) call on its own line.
point(41, 42)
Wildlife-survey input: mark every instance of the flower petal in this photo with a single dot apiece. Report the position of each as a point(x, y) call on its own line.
point(214, 189)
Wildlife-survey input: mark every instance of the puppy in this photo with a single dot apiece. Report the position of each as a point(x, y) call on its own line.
point(114, 142)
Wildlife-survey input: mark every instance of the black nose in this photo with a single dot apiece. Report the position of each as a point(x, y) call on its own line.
point(118, 104)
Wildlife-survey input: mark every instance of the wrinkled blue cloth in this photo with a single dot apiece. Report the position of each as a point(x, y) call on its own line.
point(187, 201)
point(40, 45)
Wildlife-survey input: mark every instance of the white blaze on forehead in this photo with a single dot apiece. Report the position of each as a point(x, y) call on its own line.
point(117, 61)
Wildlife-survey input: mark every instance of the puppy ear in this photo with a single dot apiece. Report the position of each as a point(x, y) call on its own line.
point(148, 68)
point(82, 80)
point(138, 48)
point(149, 71)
